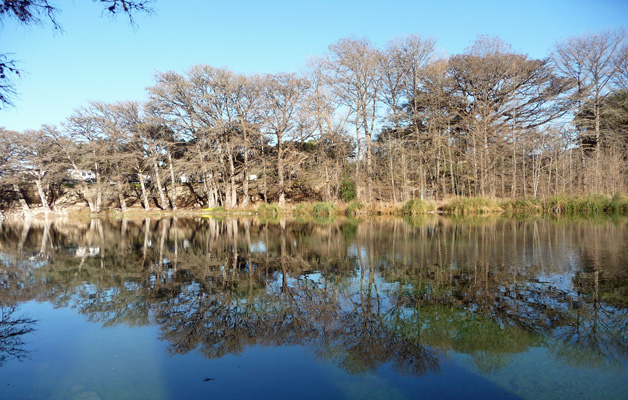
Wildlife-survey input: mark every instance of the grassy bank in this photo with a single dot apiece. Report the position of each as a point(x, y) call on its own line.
point(584, 206)
point(569, 206)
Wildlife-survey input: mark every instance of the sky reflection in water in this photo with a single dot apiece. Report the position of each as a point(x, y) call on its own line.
point(382, 308)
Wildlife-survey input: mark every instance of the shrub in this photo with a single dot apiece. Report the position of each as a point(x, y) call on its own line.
point(271, 210)
point(347, 190)
point(414, 207)
point(303, 209)
point(323, 209)
point(531, 206)
point(353, 208)
point(593, 204)
point(471, 205)
point(618, 205)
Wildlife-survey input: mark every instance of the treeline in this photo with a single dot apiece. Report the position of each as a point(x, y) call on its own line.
point(377, 124)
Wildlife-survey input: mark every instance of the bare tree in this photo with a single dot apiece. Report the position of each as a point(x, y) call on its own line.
point(131, 124)
point(283, 94)
point(86, 150)
point(352, 69)
point(333, 146)
point(497, 89)
point(35, 158)
point(247, 102)
point(595, 63)
point(9, 175)
point(402, 67)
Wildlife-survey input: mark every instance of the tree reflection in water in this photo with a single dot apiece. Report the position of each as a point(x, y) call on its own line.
point(12, 331)
point(360, 293)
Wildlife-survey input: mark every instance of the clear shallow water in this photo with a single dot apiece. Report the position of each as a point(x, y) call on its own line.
point(377, 309)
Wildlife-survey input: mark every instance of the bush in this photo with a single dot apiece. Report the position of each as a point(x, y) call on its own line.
point(531, 206)
point(471, 205)
point(414, 207)
point(347, 190)
point(618, 205)
point(593, 204)
point(271, 210)
point(303, 209)
point(323, 209)
point(353, 208)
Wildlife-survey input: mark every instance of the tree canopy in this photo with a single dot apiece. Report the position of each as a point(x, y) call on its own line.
point(387, 124)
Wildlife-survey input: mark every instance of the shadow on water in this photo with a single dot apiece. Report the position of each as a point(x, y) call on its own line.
point(363, 294)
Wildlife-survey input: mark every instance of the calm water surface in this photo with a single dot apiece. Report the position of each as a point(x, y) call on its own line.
point(373, 309)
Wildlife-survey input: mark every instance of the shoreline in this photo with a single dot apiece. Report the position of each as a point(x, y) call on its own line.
point(556, 206)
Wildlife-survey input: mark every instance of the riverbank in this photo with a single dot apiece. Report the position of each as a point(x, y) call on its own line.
point(583, 206)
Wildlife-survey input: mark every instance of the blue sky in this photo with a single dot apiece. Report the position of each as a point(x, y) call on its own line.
point(101, 59)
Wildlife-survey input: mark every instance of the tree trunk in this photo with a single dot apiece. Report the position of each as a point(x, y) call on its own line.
point(42, 196)
point(160, 189)
point(90, 203)
point(144, 194)
point(369, 170)
point(98, 191)
point(173, 183)
point(327, 184)
point(514, 170)
point(485, 170)
point(245, 171)
point(358, 187)
point(452, 171)
point(280, 172)
point(475, 166)
point(405, 192)
point(523, 173)
point(25, 209)
point(208, 188)
point(597, 144)
point(232, 186)
point(265, 185)
point(121, 196)
point(98, 207)
point(392, 171)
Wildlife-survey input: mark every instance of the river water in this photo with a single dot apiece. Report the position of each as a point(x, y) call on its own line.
point(381, 308)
